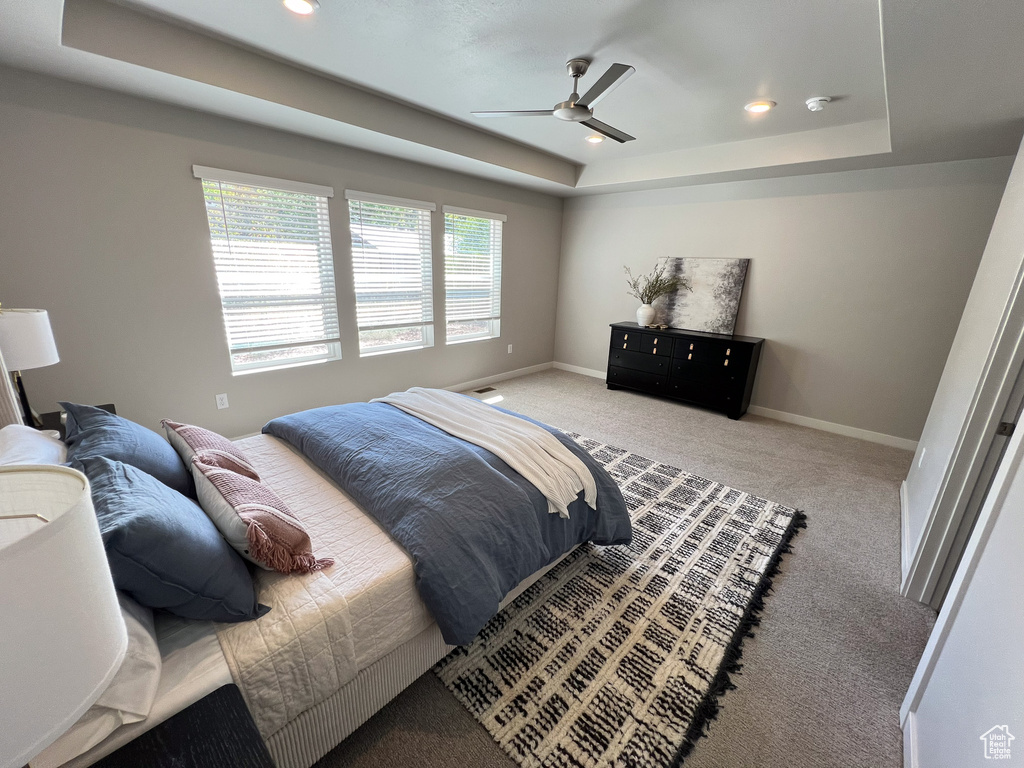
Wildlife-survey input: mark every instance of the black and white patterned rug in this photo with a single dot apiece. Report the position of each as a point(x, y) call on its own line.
point(617, 656)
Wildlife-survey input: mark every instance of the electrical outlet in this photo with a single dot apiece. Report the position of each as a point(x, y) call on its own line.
point(510, 349)
point(222, 401)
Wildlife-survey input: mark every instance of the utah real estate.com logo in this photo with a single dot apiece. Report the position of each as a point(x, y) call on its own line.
point(997, 742)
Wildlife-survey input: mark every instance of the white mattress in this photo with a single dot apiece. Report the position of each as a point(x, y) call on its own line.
point(374, 572)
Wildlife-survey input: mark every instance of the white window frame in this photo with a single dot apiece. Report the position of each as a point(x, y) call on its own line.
point(329, 338)
point(425, 322)
point(494, 318)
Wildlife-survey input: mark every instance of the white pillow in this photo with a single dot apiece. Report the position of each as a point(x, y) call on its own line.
point(127, 699)
point(23, 445)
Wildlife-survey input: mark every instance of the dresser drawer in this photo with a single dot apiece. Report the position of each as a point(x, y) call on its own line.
point(706, 350)
point(702, 392)
point(656, 344)
point(626, 340)
point(704, 370)
point(625, 377)
point(639, 361)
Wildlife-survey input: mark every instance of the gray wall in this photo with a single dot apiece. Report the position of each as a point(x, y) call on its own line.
point(102, 224)
point(857, 279)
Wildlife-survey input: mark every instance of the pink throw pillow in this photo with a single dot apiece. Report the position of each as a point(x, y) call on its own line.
point(253, 519)
point(188, 440)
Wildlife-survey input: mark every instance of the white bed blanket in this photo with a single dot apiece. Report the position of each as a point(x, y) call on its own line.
point(530, 450)
point(323, 628)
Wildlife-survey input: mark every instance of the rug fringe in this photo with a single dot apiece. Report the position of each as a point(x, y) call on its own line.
point(709, 707)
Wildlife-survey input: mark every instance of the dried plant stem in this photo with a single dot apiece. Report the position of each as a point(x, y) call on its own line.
point(657, 283)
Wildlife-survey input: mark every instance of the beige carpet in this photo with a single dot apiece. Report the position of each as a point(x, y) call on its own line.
point(824, 676)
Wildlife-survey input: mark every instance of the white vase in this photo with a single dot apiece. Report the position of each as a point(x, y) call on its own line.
point(645, 315)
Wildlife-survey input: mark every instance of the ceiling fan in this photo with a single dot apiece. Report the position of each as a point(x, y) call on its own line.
point(578, 109)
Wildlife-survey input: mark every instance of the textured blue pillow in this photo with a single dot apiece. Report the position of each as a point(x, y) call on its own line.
point(95, 432)
point(162, 548)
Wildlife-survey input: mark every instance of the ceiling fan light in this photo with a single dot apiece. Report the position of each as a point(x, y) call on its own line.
point(595, 138)
point(301, 7)
point(758, 107)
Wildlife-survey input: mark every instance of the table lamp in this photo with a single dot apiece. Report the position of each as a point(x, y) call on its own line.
point(62, 636)
point(26, 342)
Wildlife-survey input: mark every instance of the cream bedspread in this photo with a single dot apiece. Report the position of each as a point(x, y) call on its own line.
point(323, 628)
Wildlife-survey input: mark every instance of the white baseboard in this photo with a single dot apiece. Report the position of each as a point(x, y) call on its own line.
point(498, 377)
point(577, 369)
point(839, 429)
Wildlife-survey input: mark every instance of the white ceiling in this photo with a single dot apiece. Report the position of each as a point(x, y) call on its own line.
point(698, 62)
point(913, 81)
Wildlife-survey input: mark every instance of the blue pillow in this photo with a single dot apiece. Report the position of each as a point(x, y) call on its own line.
point(162, 548)
point(95, 432)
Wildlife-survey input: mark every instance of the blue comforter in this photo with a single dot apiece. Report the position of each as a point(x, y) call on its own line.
point(474, 527)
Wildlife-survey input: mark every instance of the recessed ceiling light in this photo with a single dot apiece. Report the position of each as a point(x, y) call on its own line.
point(595, 138)
point(301, 7)
point(758, 107)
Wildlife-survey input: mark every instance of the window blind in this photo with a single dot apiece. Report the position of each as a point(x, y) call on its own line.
point(272, 254)
point(472, 274)
point(391, 269)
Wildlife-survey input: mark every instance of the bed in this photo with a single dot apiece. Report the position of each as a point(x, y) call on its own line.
point(361, 628)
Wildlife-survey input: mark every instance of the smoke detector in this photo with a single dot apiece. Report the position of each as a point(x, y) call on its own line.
point(817, 103)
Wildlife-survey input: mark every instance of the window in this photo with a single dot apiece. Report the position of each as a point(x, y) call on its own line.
point(272, 252)
point(391, 271)
point(472, 274)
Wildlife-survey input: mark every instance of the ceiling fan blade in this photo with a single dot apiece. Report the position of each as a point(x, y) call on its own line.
point(520, 113)
point(607, 130)
point(616, 75)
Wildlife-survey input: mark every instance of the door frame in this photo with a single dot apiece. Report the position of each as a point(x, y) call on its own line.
point(922, 579)
point(1007, 476)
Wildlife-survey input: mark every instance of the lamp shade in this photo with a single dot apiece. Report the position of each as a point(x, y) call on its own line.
point(62, 636)
point(26, 339)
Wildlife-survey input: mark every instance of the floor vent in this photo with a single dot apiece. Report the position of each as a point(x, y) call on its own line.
point(484, 391)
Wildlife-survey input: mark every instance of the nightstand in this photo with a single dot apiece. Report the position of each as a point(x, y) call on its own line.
point(55, 419)
point(215, 732)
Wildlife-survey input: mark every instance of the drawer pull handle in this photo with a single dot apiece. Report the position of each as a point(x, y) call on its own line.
point(625, 336)
point(689, 357)
point(655, 340)
point(623, 346)
point(726, 363)
point(727, 352)
point(654, 351)
point(691, 346)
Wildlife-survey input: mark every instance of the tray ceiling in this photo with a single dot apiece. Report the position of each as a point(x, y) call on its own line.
point(402, 76)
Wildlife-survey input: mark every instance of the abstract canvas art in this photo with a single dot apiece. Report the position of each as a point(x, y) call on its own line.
point(712, 304)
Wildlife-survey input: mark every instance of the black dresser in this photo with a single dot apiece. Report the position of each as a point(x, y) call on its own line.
point(708, 369)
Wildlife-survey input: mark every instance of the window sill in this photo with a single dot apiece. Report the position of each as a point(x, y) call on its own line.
point(282, 366)
point(467, 339)
point(392, 350)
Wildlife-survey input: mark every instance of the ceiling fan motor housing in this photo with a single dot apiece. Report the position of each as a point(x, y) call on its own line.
point(568, 110)
point(573, 112)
